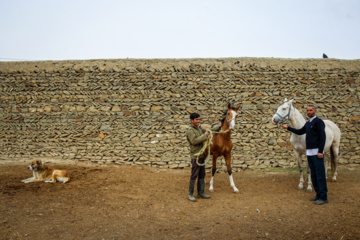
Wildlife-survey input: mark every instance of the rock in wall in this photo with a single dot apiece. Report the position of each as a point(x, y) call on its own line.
point(136, 111)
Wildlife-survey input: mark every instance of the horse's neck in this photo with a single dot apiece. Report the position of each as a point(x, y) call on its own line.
point(225, 126)
point(296, 119)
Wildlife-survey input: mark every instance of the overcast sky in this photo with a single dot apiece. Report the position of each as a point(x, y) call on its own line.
point(110, 29)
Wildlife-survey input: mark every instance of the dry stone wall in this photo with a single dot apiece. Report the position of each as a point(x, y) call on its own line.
point(136, 111)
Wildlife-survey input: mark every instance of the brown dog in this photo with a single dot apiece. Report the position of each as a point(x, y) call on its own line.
point(42, 173)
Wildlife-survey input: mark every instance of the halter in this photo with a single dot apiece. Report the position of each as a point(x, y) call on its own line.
point(287, 115)
point(229, 120)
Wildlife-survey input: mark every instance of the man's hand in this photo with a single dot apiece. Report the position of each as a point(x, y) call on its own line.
point(320, 155)
point(284, 126)
point(207, 133)
point(220, 124)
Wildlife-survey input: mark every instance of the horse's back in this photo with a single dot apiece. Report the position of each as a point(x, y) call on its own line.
point(333, 127)
point(333, 133)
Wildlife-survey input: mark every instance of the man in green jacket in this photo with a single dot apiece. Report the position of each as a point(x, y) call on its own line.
point(196, 137)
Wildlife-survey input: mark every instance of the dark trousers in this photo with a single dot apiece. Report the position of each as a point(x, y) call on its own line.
point(196, 170)
point(318, 176)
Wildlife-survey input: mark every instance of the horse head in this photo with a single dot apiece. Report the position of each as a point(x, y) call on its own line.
point(283, 112)
point(230, 116)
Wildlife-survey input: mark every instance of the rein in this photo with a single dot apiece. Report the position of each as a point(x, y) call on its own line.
point(207, 143)
point(283, 118)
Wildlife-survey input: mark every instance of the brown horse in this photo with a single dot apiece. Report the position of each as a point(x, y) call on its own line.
point(222, 145)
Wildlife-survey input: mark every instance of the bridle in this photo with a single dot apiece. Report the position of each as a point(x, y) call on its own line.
point(283, 118)
point(229, 120)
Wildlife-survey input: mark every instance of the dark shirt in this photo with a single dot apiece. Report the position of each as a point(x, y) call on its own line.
point(315, 134)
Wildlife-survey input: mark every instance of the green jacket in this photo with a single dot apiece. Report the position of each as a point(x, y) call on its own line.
point(196, 138)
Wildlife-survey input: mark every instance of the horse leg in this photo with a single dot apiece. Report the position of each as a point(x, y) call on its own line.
point(308, 170)
point(298, 158)
point(326, 163)
point(228, 165)
point(213, 171)
point(334, 152)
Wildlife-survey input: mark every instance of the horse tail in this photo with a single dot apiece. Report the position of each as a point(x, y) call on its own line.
point(332, 160)
point(334, 151)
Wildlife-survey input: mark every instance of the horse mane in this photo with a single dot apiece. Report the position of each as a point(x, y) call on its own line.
point(293, 105)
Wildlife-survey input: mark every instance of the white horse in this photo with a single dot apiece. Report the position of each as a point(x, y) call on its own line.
point(288, 111)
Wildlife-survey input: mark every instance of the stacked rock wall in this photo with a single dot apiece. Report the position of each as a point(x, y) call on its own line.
point(137, 111)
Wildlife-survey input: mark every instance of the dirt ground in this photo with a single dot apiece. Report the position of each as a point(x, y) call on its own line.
point(132, 202)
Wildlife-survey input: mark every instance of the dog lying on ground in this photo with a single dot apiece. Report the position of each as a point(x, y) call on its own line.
point(42, 173)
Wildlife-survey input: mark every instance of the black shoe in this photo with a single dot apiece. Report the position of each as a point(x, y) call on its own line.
point(191, 191)
point(204, 196)
point(201, 189)
point(321, 201)
point(314, 199)
point(192, 198)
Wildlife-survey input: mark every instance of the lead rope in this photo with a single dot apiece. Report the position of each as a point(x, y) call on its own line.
point(207, 143)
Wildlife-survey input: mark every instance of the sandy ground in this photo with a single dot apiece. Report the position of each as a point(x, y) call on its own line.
point(131, 202)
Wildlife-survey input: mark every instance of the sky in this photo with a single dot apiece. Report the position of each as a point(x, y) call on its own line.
point(117, 29)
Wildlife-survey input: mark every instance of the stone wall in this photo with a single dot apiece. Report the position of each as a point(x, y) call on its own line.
point(136, 111)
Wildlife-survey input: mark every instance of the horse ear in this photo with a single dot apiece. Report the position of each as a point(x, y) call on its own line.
point(229, 106)
point(285, 100)
point(237, 108)
point(290, 102)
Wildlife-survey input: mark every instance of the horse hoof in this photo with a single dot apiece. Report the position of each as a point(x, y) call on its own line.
point(236, 190)
point(211, 190)
point(300, 187)
point(334, 180)
point(309, 189)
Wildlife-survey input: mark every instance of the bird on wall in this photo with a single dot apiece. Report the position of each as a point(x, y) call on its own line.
point(324, 55)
